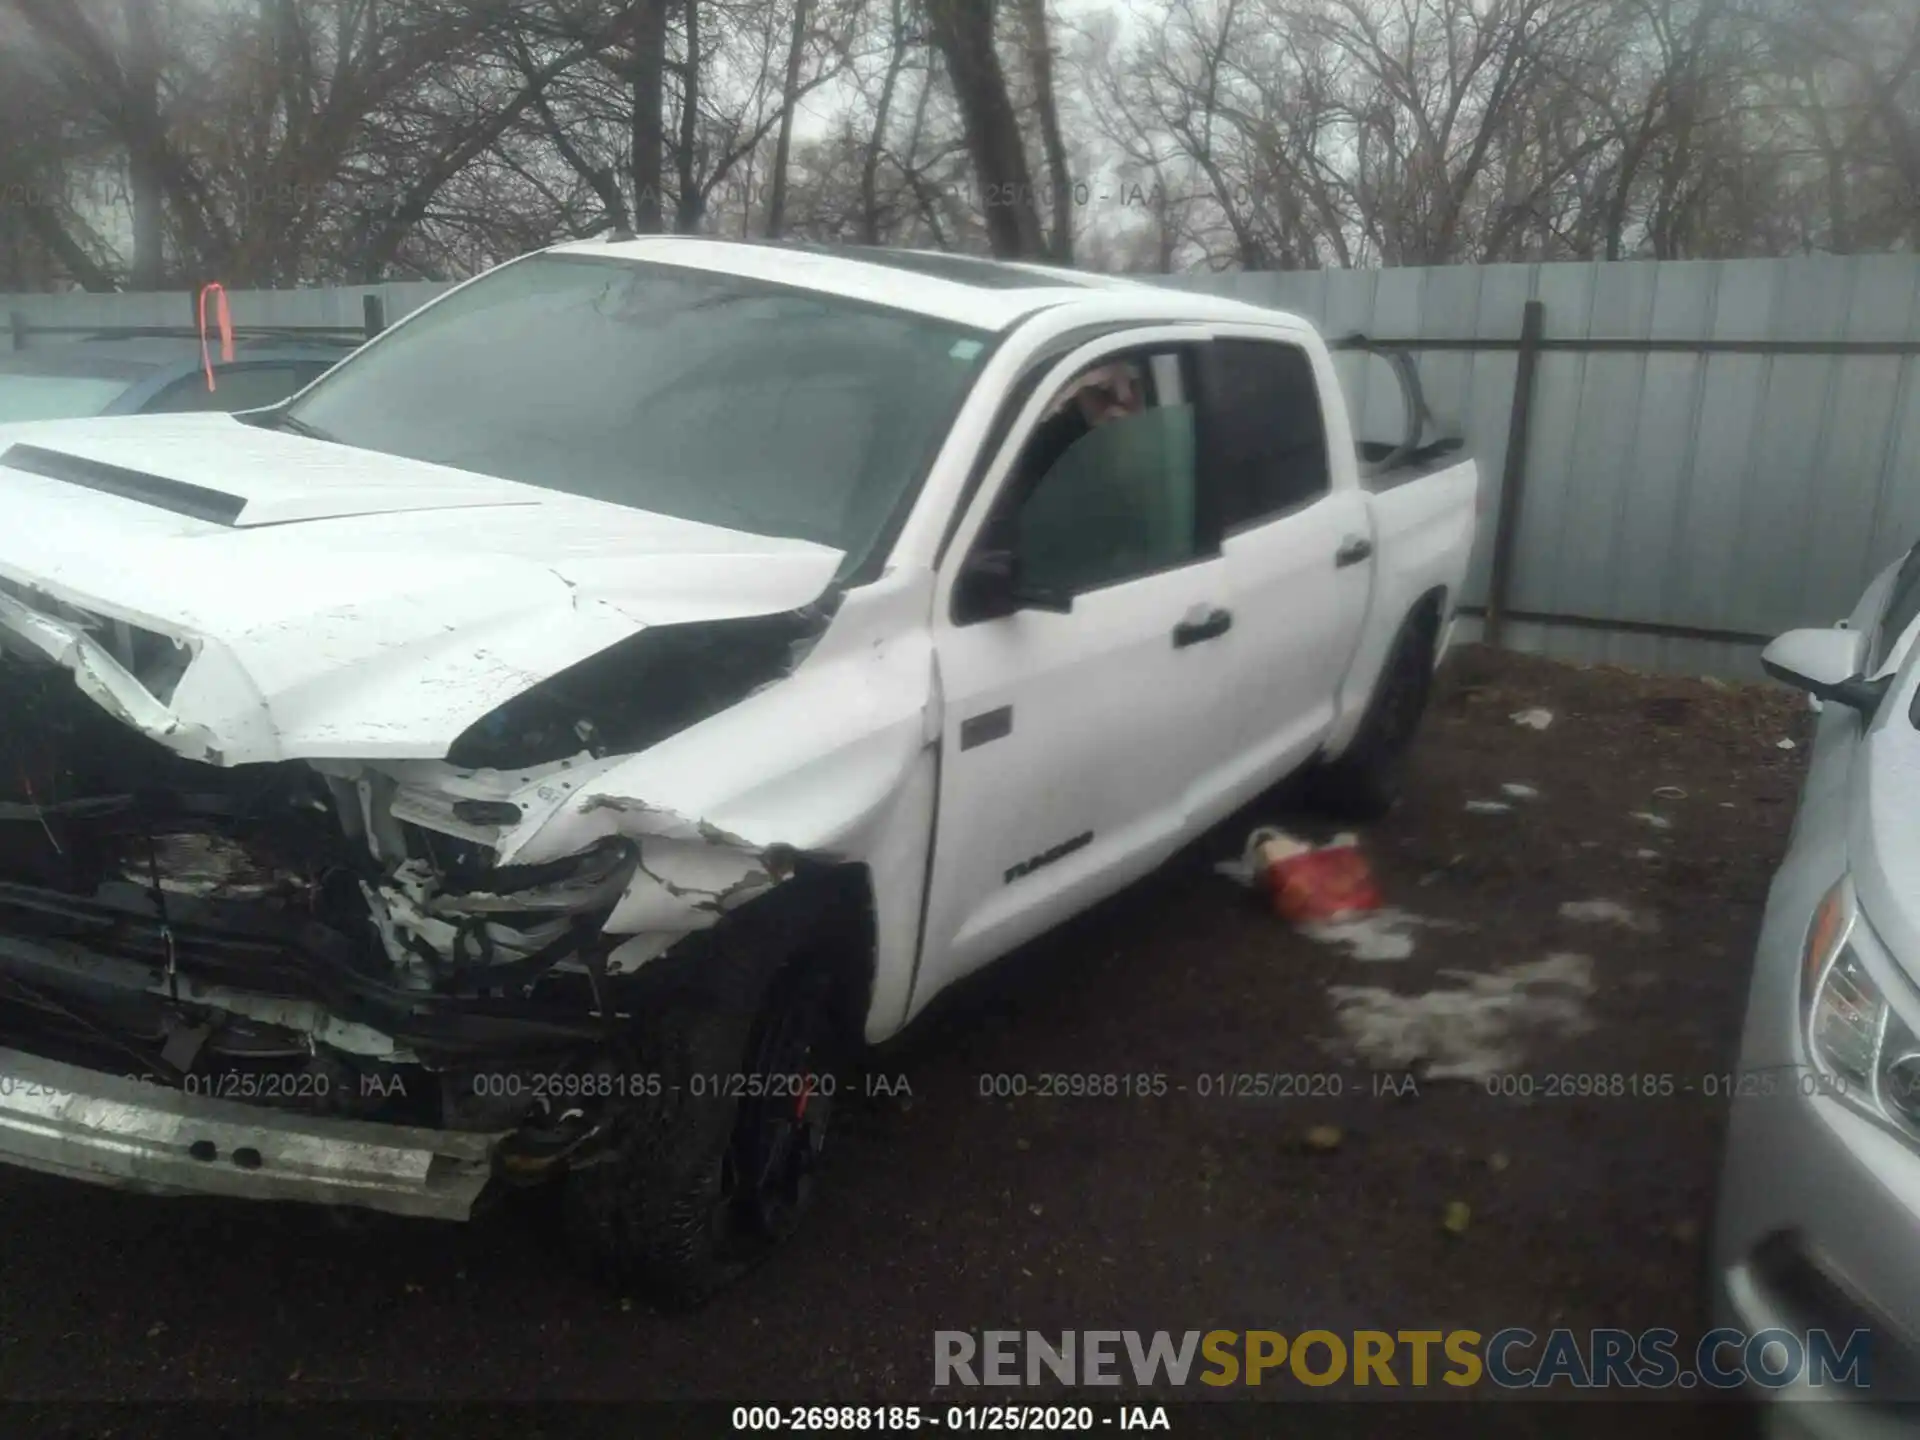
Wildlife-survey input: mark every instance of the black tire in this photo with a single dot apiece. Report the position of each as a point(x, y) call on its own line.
point(1365, 782)
point(694, 1185)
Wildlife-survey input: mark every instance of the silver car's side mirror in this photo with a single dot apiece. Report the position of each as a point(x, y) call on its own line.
point(1826, 664)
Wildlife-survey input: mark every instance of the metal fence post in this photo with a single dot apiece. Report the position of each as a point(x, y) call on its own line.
point(1513, 476)
point(373, 315)
point(17, 323)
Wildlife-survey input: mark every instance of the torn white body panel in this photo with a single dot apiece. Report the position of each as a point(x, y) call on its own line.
point(413, 907)
point(101, 677)
point(835, 763)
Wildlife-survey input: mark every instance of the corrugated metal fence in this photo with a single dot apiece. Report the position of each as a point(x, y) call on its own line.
point(341, 310)
point(1713, 451)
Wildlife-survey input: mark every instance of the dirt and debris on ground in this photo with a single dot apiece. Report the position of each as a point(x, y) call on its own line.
point(1220, 1202)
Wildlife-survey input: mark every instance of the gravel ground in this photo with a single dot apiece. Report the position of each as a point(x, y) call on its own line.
point(946, 1210)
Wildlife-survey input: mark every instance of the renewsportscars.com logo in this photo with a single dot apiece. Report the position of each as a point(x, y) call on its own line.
point(1513, 1359)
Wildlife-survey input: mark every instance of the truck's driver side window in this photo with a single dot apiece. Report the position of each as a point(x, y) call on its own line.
point(1105, 489)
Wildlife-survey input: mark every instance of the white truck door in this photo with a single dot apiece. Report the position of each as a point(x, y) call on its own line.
point(1073, 742)
point(1297, 541)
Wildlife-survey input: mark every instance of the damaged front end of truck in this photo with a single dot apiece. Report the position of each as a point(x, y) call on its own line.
point(386, 982)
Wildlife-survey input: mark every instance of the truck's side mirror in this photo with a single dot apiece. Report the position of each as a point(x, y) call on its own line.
point(1825, 664)
point(989, 587)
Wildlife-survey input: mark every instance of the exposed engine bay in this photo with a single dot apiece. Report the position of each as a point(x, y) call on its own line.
point(341, 937)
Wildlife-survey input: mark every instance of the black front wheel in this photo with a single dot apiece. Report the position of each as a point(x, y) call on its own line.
point(780, 1133)
point(692, 1185)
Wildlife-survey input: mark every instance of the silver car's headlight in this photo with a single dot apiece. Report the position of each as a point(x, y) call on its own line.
point(1864, 1050)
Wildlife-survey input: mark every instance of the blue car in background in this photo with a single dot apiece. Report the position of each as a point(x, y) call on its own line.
point(145, 375)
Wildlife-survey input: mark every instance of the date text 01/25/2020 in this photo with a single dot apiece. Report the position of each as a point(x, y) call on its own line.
point(1142, 1085)
point(1328, 1085)
point(567, 1085)
point(907, 1419)
point(1721, 1085)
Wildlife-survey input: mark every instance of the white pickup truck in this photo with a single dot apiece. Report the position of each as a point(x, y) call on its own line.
point(542, 750)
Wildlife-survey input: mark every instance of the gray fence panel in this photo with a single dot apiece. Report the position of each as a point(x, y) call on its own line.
point(1504, 293)
point(1568, 293)
point(1852, 471)
point(1659, 653)
point(1347, 300)
point(1809, 302)
point(1580, 570)
point(1896, 513)
point(153, 308)
point(1449, 306)
point(338, 307)
point(1742, 493)
point(342, 306)
point(1655, 488)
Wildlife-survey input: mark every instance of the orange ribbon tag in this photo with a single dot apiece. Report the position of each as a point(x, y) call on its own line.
point(225, 321)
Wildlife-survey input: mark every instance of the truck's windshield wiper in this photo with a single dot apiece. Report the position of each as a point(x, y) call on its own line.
point(281, 420)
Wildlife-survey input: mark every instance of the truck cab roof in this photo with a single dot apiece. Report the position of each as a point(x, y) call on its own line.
point(995, 295)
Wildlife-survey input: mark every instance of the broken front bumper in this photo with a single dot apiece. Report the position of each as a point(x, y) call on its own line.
point(132, 1135)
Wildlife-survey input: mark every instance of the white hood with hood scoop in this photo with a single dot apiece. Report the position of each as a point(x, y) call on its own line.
point(327, 602)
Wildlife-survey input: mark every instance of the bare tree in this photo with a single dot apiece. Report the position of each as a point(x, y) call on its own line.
point(275, 142)
point(789, 101)
point(900, 41)
point(963, 30)
point(1039, 48)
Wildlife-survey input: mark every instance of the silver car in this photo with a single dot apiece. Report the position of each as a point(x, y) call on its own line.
point(1819, 1210)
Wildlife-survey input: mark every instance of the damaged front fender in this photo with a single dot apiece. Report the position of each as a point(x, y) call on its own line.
point(104, 680)
point(689, 873)
point(455, 910)
point(433, 929)
point(728, 810)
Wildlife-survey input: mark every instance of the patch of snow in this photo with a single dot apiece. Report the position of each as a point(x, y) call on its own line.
point(1658, 822)
point(1242, 870)
point(1533, 719)
point(1471, 1031)
point(1519, 792)
point(1385, 934)
point(1487, 807)
point(1609, 912)
point(1784, 745)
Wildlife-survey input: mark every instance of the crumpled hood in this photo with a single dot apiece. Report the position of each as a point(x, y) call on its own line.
point(334, 603)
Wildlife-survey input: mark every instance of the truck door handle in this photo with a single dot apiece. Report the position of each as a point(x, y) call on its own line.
point(1352, 551)
point(1203, 626)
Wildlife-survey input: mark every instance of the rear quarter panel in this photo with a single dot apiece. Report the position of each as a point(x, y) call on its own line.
point(1422, 537)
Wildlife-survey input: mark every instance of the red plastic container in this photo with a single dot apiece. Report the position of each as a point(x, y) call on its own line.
point(1309, 884)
